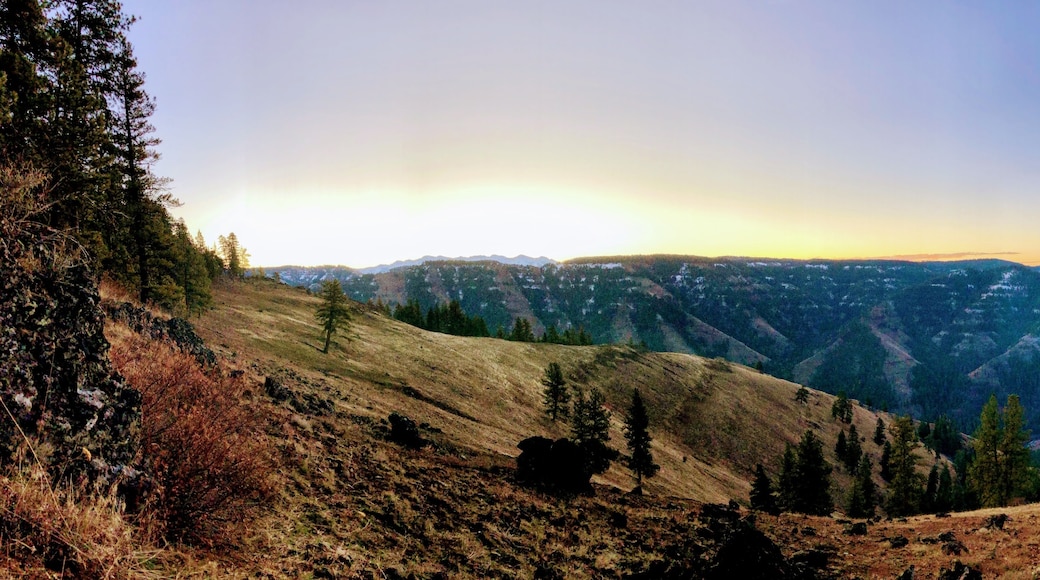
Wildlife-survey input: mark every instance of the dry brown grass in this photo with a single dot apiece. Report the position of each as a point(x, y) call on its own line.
point(354, 504)
point(711, 421)
point(66, 531)
point(1011, 552)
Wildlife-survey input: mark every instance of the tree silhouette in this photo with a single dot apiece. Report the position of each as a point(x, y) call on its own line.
point(879, 432)
point(640, 460)
point(590, 429)
point(763, 497)
point(862, 497)
point(555, 395)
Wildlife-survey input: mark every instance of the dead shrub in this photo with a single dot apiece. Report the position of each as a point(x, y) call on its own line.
point(202, 444)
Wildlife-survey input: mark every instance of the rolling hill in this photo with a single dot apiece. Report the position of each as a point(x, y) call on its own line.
point(354, 504)
point(922, 338)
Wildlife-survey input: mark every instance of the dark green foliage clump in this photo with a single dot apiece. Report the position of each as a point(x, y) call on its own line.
point(841, 409)
point(856, 364)
point(879, 432)
point(851, 450)
point(590, 429)
point(640, 460)
point(905, 484)
point(862, 496)
point(444, 318)
point(555, 396)
point(1000, 471)
point(943, 437)
point(802, 395)
point(804, 482)
point(763, 498)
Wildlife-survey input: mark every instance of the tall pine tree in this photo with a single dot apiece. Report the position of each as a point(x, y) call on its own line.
point(555, 396)
point(905, 487)
point(637, 435)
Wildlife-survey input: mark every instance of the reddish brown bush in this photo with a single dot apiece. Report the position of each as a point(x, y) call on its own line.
point(199, 439)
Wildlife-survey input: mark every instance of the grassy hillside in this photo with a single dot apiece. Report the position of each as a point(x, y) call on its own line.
point(349, 503)
point(711, 420)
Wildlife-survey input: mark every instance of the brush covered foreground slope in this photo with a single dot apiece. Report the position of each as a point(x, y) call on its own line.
point(350, 503)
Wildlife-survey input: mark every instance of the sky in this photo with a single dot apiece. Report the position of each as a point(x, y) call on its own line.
point(364, 132)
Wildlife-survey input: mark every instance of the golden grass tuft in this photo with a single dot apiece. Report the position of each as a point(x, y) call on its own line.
point(68, 531)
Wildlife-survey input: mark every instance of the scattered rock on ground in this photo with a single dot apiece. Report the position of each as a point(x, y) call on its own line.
point(960, 571)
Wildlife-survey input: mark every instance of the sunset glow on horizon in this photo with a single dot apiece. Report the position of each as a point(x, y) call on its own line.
point(363, 133)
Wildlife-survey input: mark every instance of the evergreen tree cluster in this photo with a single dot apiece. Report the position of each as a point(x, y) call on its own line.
point(590, 425)
point(522, 332)
point(73, 107)
point(942, 437)
point(444, 318)
point(848, 449)
point(803, 485)
point(1001, 470)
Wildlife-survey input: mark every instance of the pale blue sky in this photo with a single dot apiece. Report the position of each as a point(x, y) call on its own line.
point(366, 132)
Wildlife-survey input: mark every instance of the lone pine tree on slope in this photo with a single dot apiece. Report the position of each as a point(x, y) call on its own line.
point(333, 309)
point(639, 460)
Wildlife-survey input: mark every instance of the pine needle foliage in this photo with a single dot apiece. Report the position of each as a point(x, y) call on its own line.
point(333, 310)
point(555, 395)
point(637, 435)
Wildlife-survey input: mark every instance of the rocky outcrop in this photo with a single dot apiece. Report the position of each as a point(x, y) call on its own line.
point(175, 330)
point(56, 382)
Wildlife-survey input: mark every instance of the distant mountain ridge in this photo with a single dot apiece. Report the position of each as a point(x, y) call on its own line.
point(520, 260)
point(304, 274)
point(919, 337)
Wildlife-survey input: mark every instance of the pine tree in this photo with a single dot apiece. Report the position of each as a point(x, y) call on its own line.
point(853, 450)
point(133, 149)
point(886, 461)
point(556, 396)
point(640, 460)
point(522, 331)
point(762, 496)
point(812, 474)
point(944, 491)
point(236, 259)
point(1014, 450)
point(192, 273)
point(905, 487)
point(841, 409)
point(998, 473)
point(984, 473)
point(590, 430)
point(839, 447)
point(787, 483)
point(862, 496)
point(332, 311)
point(931, 490)
point(802, 395)
point(879, 432)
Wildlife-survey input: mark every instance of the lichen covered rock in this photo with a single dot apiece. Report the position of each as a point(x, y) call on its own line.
point(56, 381)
